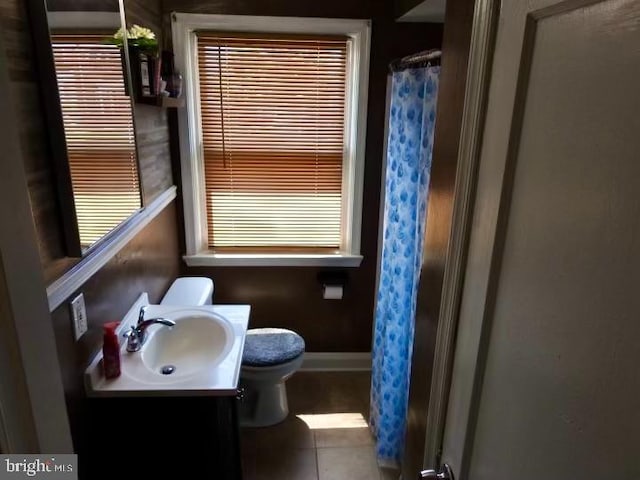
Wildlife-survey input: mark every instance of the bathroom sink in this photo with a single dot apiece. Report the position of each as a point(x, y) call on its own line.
point(198, 342)
point(200, 355)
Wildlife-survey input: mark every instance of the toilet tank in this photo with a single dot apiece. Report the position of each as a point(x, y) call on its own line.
point(189, 291)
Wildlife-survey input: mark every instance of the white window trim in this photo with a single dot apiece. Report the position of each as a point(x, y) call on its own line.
point(184, 26)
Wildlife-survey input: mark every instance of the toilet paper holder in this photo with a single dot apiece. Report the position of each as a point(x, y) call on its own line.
point(333, 284)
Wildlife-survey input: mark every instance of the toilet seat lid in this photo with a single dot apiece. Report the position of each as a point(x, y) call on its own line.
point(271, 346)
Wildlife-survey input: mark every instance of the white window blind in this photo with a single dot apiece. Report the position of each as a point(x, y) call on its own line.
point(98, 124)
point(273, 120)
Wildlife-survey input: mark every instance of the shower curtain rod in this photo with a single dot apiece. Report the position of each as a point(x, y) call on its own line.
point(416, 60)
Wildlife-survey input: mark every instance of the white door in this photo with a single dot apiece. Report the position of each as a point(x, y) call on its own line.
point(546, 376)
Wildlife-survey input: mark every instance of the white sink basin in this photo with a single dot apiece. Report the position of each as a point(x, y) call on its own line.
point(200, 355)
point(198, 342)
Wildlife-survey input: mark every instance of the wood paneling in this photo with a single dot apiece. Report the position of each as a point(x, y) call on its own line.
point(83, 5)
point(292, 297)
point(328, 8)
point(152, 131)
point(146, 13)
point(455, 48)
point(25, 93)
point(152, 139)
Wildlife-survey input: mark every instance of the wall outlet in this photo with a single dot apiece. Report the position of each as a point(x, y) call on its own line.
point(79, 316)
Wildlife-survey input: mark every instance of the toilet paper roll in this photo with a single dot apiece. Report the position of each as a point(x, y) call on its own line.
point(332, 292)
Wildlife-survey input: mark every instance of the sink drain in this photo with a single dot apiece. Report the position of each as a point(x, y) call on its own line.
point(167, 369)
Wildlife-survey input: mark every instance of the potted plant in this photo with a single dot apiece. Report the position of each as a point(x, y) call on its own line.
point(144, 58)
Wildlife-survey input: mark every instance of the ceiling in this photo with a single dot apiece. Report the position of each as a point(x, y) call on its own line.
point(427, 11)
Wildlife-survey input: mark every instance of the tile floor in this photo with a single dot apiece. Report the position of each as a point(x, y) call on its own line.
point(325, 437)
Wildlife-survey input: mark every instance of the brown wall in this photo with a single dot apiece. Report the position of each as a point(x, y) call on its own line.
point(455, 48)
point(292, 297)
point(148, 263)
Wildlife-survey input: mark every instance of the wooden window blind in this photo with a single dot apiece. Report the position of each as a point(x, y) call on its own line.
point(98, 123)
point(273, 119)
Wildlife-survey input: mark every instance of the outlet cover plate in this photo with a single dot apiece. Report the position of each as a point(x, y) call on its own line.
point(79, 316)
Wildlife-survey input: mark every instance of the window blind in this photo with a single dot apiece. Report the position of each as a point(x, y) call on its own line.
point(273, 119)
point(98, 124)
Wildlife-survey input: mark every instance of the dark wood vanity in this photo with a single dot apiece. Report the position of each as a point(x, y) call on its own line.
point(163, 437)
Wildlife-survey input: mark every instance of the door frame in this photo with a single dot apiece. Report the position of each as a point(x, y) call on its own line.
point(485, 21)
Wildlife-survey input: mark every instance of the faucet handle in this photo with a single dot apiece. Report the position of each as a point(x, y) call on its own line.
point(134, 342)
point(143, 310)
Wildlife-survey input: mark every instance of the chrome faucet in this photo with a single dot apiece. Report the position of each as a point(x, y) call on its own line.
point(138, 334)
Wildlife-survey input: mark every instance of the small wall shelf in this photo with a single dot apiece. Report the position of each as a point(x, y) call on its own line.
point(162, 101)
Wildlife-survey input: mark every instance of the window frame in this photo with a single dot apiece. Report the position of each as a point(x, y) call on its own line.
point(184, 27)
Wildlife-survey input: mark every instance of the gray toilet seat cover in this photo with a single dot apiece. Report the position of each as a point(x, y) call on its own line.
point(271, 346)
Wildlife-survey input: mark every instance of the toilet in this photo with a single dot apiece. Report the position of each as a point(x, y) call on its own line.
point(271, 356)
point(189, 291)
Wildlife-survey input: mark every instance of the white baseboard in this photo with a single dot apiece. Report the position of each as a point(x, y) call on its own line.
point(336, 361)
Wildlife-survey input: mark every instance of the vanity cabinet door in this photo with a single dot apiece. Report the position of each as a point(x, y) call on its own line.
point(181, 437)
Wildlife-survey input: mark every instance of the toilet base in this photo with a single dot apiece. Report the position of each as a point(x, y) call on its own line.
point(264, 400)
point(263, 406)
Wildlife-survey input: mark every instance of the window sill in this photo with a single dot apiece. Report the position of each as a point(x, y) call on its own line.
point(272, 260)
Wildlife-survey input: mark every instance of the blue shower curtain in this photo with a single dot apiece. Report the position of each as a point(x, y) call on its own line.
point(411, 126)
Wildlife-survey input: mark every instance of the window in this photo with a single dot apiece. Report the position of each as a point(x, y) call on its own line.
point(272, 114)
point(272, 138)
point(99, 132)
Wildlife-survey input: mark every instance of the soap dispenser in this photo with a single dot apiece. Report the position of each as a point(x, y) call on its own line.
point(111, 351)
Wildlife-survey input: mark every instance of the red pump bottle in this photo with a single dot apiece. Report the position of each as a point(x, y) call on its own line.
point(111, 351)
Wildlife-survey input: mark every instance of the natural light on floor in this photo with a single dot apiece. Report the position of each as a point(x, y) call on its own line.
point(334, 420)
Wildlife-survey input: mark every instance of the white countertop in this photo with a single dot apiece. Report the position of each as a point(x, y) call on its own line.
point(221, 380)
